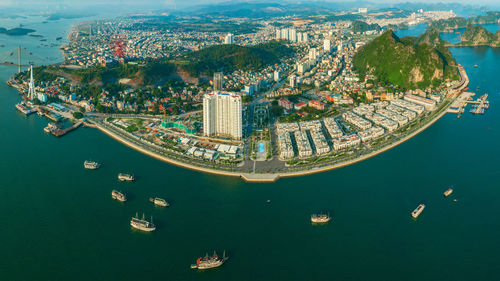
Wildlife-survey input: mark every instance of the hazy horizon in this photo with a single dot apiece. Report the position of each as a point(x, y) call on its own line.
point(48, 5)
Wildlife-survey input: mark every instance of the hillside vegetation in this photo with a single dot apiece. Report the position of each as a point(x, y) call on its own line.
point(232, 57)
point(408, 62)
point(479, 36)
point(448, 25)
point(361, 26)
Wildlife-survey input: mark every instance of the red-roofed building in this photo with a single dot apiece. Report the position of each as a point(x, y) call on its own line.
point(300, 105)
point(285, 103)
point(317, 104)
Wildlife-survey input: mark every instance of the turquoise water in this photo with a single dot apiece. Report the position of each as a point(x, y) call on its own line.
point(59, 222)
point(262, 147)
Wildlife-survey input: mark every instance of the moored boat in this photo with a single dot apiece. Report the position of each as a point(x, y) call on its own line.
point(117, 195)
point(320, 218)
point(23, 108)
point(159, 202)
point(142, 224)
point(448, 192)
point(418, 211)
point(50, 128)
point(208, 262)
point(125, 177)
point(91, 165)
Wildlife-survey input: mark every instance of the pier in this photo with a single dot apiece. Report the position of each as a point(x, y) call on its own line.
point(479, 105)
point(62, 132)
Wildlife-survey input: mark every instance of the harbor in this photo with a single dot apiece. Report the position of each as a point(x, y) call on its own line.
point(61, 132)
point(478, 106)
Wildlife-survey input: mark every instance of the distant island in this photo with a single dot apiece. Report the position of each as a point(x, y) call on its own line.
point(18, 31)
point(479, 36)
point(449, 25)
point(359, 26)
point(408, 62)
point(62, 16)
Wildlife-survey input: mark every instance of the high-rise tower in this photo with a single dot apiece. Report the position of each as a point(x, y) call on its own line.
point(31, 90)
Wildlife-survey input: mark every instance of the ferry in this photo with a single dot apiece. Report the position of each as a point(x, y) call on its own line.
point(23, 108)
point(125, 177)
point(208, 262)
point(418, 211)
point(320, 218)
point(90, 165)
point(117, 195)
point(50, 127)
point(448, 192)
point(142, 224)
point(159, 202)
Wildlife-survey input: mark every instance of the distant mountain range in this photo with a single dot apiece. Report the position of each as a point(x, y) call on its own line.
point(269, 8)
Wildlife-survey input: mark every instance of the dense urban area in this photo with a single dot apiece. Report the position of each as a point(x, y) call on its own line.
point(273, 95)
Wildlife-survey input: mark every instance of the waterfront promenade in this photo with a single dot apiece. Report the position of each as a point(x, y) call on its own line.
point(154, 152)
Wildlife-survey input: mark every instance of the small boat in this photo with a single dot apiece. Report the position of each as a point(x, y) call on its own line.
point(418, 211)
point(50, 127)
point(268, 201)
point(448, 192)
point(142, 224)
point(208, 262)
point(475, 65)
point(320, 218)
point(159, 202)
point(117, 195)
point(90, 165)
point(125, 177)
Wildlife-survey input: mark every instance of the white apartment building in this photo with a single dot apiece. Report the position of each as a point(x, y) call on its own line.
point(222, 115)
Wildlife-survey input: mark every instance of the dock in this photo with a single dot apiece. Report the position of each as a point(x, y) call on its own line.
point(460, 103)
point(479, 105)
point(62, 132)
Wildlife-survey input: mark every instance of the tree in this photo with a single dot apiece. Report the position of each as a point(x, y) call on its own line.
point(277, 110)
point(78, 115)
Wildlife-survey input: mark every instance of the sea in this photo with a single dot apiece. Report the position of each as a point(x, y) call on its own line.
point(60, 223)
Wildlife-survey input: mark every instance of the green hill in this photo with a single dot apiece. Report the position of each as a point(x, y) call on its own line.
point(361, 26)
point(450, 24)
point(431, 37)
point(232, 57)
point(479, 36)
point(408, 62)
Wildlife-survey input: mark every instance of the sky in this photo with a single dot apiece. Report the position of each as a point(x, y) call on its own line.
point(76, 4)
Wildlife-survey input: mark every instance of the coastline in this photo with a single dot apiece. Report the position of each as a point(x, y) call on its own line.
point(272, 177)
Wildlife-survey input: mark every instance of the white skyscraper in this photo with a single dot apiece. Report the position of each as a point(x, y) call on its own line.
point(327, 47)
point(292, 35)
point(293, 81)
point(218, 82)
point(304, 37)
point(278, 34)
point(229, 39)
point(340, 47)
point(222, 115)
point(312, 54)
point(284, 33)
